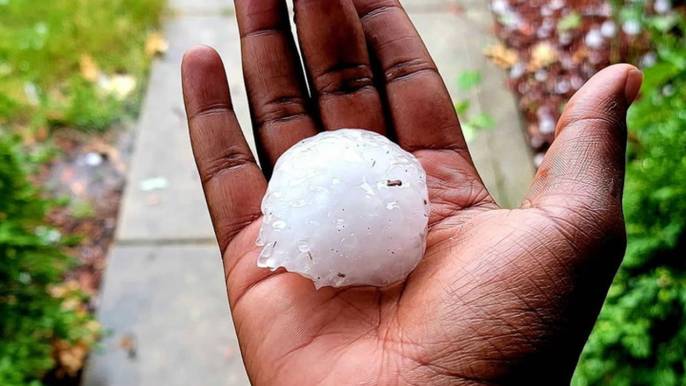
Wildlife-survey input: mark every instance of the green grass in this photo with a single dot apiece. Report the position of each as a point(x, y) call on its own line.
point(43, 45)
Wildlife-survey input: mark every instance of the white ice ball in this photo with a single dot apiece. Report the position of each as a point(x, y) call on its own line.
point(346, 207)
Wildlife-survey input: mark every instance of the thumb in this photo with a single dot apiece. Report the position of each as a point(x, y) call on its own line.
point(584, 168)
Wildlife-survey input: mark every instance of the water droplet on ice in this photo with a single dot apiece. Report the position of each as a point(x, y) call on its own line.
point(297, 182)
point(367, 188)
point(303, 246)
point(267, 251)
point(280, 225)
point(392, 205)
point(298, 203)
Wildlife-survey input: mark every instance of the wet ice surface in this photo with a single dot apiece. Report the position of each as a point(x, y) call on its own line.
point(346, 207)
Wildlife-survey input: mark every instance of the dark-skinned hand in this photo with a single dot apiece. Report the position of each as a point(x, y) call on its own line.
point(502, 297)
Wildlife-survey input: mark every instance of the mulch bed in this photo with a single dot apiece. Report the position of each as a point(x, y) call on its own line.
point(550, 48)
point(90, 171)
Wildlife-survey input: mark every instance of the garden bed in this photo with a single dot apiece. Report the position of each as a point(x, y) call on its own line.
point(551, 48)
point(72, 75)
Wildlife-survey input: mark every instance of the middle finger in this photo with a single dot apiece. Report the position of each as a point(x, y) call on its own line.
point(336, 57)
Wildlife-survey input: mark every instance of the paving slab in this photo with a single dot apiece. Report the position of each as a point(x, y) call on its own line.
point(186, 7)
point(168, 318)
point(162, 151)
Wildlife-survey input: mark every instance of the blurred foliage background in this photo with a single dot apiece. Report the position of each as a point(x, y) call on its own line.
point(550, 48)
point(77, 64)
point(640, 337)
point(83, 63)
point(45, 324)
point(72, 62)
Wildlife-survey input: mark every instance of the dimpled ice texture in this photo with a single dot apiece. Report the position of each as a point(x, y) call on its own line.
point(343, 208)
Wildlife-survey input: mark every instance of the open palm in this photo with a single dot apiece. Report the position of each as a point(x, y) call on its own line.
point(501, 296)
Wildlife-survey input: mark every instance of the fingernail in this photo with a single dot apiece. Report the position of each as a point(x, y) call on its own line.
point(633, 85)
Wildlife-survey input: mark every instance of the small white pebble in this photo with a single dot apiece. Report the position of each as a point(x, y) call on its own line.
point(501, 7)
point(608, 29)
point(632, 27)
point(648, 60)
point(556, 5)
point(563, 87)
point(662, 6)
point(546, 125)
point(541, 75)
point(594, 39)
point(565, 38)
point(517, 71)
point(577, 82)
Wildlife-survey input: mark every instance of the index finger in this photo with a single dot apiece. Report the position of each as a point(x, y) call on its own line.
point(234, 185)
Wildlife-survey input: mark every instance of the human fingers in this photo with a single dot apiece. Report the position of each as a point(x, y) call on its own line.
point(234, 185)
point(277, 92)
point(337, 60)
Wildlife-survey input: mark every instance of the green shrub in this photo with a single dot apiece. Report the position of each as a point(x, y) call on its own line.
point(640, 337)
point(44, 323)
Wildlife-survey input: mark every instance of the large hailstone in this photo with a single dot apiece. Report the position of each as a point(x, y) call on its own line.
point(346, 207)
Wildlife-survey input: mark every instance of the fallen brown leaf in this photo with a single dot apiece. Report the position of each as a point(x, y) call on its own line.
point(156, 44)
point(502, 56)
point(89, 68)
point(542, 55)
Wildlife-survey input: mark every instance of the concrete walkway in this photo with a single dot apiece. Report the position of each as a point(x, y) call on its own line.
point(164, 296)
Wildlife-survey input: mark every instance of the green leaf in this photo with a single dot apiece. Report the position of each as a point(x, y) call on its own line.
point(468, 80)
point(462, 107)
point(482, 121)
point(569, 22)
point(663, 23)
point(469, 132)
point(658, 75)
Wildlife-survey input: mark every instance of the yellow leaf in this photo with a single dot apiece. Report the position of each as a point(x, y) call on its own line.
point(57, 291)
point(120, 86)
point(71, 357)
point(542, 55)
point(93, 326)
point(156, 44)
point(72, 285)
point(502, 56)
point(89, 68)
point(70, 304)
